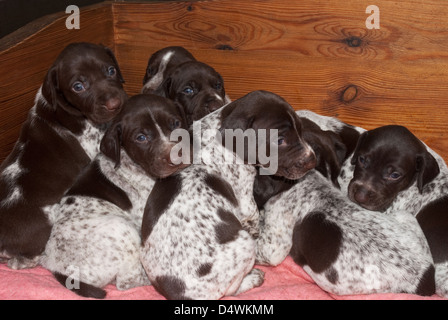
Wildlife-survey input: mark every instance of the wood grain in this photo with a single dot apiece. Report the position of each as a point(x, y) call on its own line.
point(317, 54)
point(24, 64)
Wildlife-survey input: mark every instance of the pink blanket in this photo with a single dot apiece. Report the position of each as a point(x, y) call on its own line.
point(287, 281)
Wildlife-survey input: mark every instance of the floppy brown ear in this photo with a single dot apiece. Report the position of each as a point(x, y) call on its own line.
point(148, 73)
point(358, 145)
point(427, 169)
point(111, 143)
point(117, 67)
point(50, 86)
point(234, 117)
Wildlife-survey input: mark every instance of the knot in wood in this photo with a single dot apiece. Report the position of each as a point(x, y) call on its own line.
point(349, 94)
point(353, 42)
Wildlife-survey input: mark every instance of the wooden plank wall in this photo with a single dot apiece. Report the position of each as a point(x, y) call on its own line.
point(318, 55)
point(26, 55)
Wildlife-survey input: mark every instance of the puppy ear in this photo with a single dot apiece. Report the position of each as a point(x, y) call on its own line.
point(427, 169)
point(164, 90)
point(349, 136)
point(50, 86)
point(111, 143)
point(148, 73)
point(337, 157)
point(234, 117)
point(112, 56)
point(358, 145)
point(180, 109)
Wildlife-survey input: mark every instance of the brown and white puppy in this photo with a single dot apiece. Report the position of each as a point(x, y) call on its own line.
point(344, 248)
point(388, 160)
point(95, 238)
point(174, 73)
point(198, 226)
point(161, 64)
point(197, 87)
point(393, 171)
point(81, 93)
point(332, 145)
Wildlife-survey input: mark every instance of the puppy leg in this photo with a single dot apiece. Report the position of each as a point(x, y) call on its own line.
point(253, 279)
point(275, 240)
point(132, 277)
point(19, 263)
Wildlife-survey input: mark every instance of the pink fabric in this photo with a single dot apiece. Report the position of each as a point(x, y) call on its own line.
point(287, 281)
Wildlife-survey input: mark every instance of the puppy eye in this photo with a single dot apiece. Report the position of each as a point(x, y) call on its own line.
point(362, 160)
point(281, 141)
point(175, 123)
point(111, 71)
point(394, 176)
point(218, 86)
point(141, 138)
point(188, 91)
point(78, 87)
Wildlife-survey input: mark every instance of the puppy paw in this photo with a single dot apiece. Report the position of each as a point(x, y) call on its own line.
point(253, 279)
point(19, 263)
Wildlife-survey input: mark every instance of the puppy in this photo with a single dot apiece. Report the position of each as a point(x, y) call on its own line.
point(81, 93)
point(197, 87)
point(388, 160)
point(161, 64)
point(197, 225)
point(394, 170)
point(344, 248)
point(332, 142)
point(95, 239)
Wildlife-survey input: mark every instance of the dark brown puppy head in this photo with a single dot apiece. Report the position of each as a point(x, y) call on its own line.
point(263, 111)
point(143, 130)
point(197, 87)
point(388, 160)
point(162, 63)
point(85, 81)
point(331, 148)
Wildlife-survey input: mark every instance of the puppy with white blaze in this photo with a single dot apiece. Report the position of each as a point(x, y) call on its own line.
point(199, 226)
point(174, 73)
point(81, 93)
point(96, 235)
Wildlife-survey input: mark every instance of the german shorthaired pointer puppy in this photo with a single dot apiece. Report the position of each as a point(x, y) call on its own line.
point(82, 91)
point(161, 64)
point(332, 145)
point(344, 248)
point(395, 171)
point(95, 239)
point(198, 226)
point(193, 84)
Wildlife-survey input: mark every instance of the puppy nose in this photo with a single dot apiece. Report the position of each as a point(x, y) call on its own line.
point(213, 104)
point(167, 160)
point(361, 195)
point(112, 104)
point(309, 160)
